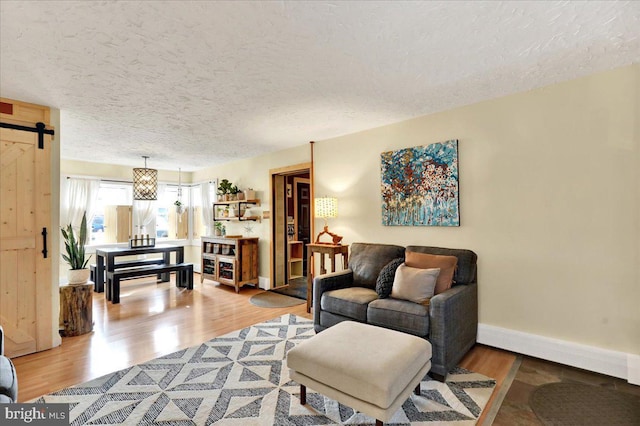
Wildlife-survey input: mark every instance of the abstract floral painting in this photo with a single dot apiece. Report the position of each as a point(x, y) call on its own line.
point(420, 185)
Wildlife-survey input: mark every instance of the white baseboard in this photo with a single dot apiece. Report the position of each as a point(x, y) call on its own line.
point(633, 369)
point(604, 361)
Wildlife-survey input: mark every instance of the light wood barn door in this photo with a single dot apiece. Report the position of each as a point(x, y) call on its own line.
point(25, 210)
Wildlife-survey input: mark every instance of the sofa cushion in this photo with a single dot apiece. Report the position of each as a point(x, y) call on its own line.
point(386, 277)
point(401, 315)
point(414, 284)
point(446, 264)
point(367, 260)
point(349, 302)
point(467, 260)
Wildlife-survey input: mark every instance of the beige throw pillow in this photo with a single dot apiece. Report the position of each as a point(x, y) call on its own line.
point(447, 265)
point(414, 284)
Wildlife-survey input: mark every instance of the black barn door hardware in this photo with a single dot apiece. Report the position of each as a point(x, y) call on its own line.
point(39, 129)
point(44, 242)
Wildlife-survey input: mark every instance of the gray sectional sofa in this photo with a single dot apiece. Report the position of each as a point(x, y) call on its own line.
point(449, 322)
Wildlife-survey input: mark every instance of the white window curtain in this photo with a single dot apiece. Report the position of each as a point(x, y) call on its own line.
point(77, 196)
point(144, 217)
point(207, 206)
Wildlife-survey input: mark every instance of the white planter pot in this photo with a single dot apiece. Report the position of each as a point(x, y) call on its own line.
point(78, 276)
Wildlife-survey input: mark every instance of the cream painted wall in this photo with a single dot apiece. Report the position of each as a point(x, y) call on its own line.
point(550, 202)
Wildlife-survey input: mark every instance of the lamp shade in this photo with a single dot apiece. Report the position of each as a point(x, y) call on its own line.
point(145, 183)
point(326, 207)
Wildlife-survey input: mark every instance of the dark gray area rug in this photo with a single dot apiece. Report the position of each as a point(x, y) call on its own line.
point(269, 299)
point(241, 378)
point(296, 288)
point(580, 404)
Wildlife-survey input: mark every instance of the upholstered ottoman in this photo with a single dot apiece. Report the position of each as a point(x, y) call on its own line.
point(370, 369)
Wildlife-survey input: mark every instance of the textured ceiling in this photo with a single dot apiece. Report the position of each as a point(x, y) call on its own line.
point(193, 84)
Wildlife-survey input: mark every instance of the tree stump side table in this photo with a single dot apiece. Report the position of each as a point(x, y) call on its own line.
point(76, 310)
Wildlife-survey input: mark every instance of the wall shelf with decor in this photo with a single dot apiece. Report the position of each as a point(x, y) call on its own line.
point(235, 210)
point(230, 261)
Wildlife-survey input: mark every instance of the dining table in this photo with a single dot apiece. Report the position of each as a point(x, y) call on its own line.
point(106, 259)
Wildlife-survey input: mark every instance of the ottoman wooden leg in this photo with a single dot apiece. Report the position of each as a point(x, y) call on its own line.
point(438, 377)
point(417, 390)
point(379, 422)
point(303, 394)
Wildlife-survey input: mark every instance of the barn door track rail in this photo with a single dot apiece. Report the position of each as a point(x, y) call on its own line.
point(40, 129)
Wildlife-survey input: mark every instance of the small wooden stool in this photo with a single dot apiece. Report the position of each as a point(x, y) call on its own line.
point(371, 369)
point(76, 309)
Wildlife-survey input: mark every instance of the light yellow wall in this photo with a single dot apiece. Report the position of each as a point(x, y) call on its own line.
point(550, 202)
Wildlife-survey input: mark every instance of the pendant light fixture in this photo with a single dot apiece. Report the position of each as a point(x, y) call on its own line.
point(145, 183)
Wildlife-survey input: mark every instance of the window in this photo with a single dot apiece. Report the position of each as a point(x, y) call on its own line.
point(171, 222)
point(104, 224)
point(113, 219)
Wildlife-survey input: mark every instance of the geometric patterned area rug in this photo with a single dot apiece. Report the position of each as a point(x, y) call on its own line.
point(241, 378)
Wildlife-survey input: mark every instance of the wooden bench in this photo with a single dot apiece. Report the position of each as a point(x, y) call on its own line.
point(124, 264)
point(184, 277)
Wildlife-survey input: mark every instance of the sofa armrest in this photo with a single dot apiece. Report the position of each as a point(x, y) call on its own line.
point(453, 326)
point(327, 282)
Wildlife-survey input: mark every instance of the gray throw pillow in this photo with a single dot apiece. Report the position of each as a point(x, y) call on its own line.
point(414, 284)
point(384, 283)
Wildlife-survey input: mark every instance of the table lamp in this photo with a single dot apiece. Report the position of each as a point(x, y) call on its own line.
point(326, 207)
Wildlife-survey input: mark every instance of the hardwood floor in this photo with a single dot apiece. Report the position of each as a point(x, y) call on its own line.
point(152, 320)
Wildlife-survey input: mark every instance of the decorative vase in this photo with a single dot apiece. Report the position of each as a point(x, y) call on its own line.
point(249, 194)
point(78, 276)
point(232, 211)
point(240, 196)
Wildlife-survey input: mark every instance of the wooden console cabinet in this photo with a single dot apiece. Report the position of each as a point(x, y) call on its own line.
point(230, 261)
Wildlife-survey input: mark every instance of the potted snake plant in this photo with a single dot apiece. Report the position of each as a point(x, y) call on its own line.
point(75, 254)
